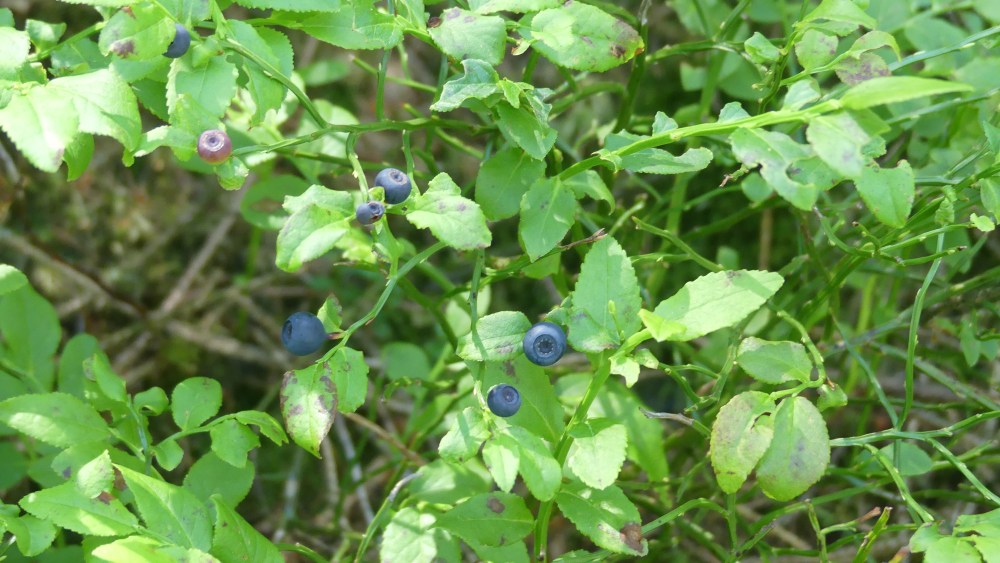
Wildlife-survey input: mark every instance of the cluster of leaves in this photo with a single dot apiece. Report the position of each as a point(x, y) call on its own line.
point(842, 128)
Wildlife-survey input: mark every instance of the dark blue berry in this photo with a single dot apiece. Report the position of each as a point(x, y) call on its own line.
point(396, 184)
point(180, 44)
point(503, 400)
point(544, 343)
point(303, 333)
point(369, 212)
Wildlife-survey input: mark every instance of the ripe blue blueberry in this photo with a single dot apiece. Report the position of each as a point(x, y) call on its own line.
point(180, 44)
point(369, 212)
point(544, 343)
point(396, 184)
point(503, 400)
point(303, 333)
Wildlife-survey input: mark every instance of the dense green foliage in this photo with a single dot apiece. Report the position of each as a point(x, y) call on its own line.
point(765, 228)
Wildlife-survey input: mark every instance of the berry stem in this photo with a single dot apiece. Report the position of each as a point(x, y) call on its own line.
point(603, 370)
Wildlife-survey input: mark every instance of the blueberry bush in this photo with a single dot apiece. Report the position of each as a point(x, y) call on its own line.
point(685, 280)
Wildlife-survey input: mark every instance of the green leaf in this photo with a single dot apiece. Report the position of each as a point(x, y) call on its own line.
point(503, 180)
point(41, 122)
point(265, 423)
point(775, 152)
point(844, 11)
point(14, 47)
point(500, 335)
point(66, 507)
point(868, 66)
point(581, 37)
point(540, 410)
point(839, 140)
point(168, 454)
point(169, 510)
point(211, 476)
point(952, 550)
point(54, 418)
point(465, 437)
point(139, 32)
point(466, 35)
point(11, 279)
point(645, 435)
point(503, 459)
point(606, 277)
point(237, 540)
point(518, 6)
point(411, 536)
point(106, 105)
point(548, 210)
point(605, 516)
point(741, 435)
point(589, 184)
point(657, 161)
point(13, 465)
point(355, 25)
point(211, 86)
point(443, 482)
point(816, 49)
point(908, 459)
point(95, 476)
point(98, 369)
point(308, 405)
point(188, 11)
point(598, 452)
point(232, 441)
point(774, 362)
point(33, 535)
point(293, 5)
point(194, 401)
point(659, 328)
point(799, 451)
point(319, 218)
point(895, 89)
point(148, 550)
point(526, 129)
point(888, 192)
point(718, 300)
point(350, 376)
point(453, 219)
point(760, 49)
point(266, 92)
point(493, 519)
point(478, 82)
point(31, 333)
point(514, 552)
point(538, 468)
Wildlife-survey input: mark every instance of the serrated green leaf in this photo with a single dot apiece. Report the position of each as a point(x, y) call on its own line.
point(760, 49)
point(582, 37)
point(194, 401)
point(33, 535)
point(493, 519)
point(517, 6)
point(453, 219)
point(657, 161)
point(139, 32)
point(41, 122)
point(209, 475)
point(478, 82)
point(526, 129)
point(465, 437)
point(538, 468)
point(235, 539)
point(319, 218)
point(540, 411)
point(839, 140)
point(775, 152)
point(502, 457)
point(844, 11)
point(774, 362)
point(500, 335)
point(467, 35)
point(14, 47)
point(148, 550)
point(232, 441)
point(504, 179)
point(355, 25)
point(266, 92)
point(606, 277)
point(31, 334)
point(11, 279)
point(598, 452)
point(54, 418)
point(95, 476)
point(211, 86)
point(66, 507)
point(799, 451)
point(605, 516)
point(895, 89)
point(443, 482)
point(548, 210)
point(308, 405)
point(170, 510)
point(718, 300)
point(411, 535)
point(741, 435)
point(888, 192)
point(293, 5)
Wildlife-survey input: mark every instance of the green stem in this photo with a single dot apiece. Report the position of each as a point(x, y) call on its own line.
point(280, 77)
point(911, 346)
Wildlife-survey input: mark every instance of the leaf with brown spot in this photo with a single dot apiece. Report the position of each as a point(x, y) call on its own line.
point(308, 405)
